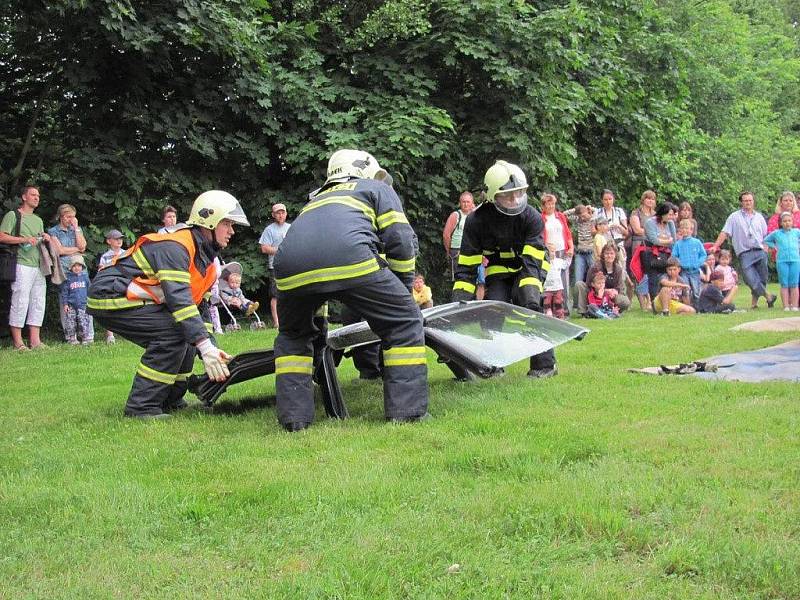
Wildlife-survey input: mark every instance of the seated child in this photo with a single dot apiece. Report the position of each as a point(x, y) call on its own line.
point(707, 269)
point(73, 297)
point(421, 292)
point(674, 296)
point(731, 278)
point(691, 254)
point(554, 289)
point(114, 243)
point(599, 301)
point(602, 237)
point(232, 294)
point(711, 298)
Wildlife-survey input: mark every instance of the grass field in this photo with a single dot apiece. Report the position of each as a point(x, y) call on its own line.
point(594, 484)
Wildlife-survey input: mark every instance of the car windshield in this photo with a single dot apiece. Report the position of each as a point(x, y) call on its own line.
point(489, 332)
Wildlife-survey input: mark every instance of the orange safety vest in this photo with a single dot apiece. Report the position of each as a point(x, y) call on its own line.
point(148, 287)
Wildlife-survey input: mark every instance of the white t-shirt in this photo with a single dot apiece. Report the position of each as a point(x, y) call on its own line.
point(273, 235)
point(555, 232)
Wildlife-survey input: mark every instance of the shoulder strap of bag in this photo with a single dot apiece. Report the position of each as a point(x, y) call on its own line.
point(18, 225)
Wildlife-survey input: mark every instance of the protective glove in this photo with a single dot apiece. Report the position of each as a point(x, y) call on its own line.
point(214, 361)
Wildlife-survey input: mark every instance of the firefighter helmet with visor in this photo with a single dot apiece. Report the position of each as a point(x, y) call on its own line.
point(506, 186)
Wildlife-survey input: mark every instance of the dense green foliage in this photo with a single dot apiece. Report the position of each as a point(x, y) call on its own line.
point(594, 484)
point(121, 106)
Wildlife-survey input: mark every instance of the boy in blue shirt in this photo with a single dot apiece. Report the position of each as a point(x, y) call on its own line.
point(691, 254)
point(72, 295)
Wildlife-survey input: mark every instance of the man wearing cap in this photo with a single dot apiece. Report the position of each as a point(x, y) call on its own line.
point(335, 250)
point(271, 238)
point(153, 296)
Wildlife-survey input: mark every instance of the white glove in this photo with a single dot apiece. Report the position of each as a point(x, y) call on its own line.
point(214, 360)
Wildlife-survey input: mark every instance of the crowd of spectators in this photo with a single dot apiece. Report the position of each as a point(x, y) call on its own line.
point(600, 259)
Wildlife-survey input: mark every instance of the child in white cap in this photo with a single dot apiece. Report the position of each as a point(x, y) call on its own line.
point(73, 297)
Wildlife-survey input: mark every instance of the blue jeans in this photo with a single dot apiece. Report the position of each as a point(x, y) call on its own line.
point(754, 269)
point(582, 261)
point(694, 283)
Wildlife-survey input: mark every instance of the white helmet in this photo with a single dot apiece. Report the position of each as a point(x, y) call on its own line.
point(503, 177)
point(344, 164)
point(212, 207)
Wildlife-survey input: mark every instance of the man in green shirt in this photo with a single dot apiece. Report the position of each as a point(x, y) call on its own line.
point(28, 290)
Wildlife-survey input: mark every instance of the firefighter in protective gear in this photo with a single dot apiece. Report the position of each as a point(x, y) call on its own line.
point(153, 296)
point(509, 232)
point(334, 250)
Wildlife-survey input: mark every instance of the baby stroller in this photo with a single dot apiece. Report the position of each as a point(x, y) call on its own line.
point(227, 294)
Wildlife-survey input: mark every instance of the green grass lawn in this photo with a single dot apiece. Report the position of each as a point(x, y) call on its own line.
point(595, 484)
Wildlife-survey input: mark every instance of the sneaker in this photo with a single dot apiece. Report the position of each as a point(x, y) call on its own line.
point(795, 309)
point(110, 339)
point(786, 309)
point(87, 342)
point(771, 301)
point(73, 342)
point(251, 309)
point(543, 373)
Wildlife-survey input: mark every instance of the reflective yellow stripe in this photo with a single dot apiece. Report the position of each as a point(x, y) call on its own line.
point(470, 260)
point(142, 263)
point(515, 321)
point(498, 270)
point(179, 276)
point(293, 363)
point(153, 375)
point(328, 274)
point(207, 296)
point(400, 357)
point(531, 281)
point(510, 254)
point(322, 311)
point(488, 252)
point(402, 266)
point(534, 252)
point(545, 265)
point(390, 218)
point(209, 327)
point(185, 313)
point(112, 303)
point(182, 376)
point(347, 201)
point(463, 285)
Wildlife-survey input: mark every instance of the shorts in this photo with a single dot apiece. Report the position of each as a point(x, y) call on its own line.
point(674, 306)
point(272, 284)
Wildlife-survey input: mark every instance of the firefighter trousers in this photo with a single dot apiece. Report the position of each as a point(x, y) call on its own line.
point(162, 375)
point(505, 291)
point(393, 316)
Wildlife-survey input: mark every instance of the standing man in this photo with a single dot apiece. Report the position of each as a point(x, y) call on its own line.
point(454, 229)
point(271, 238)
point(29, 289)
point(152, 296)
point(334, 251)
point(510, 232)
point(70, 242)
point(746, 229)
